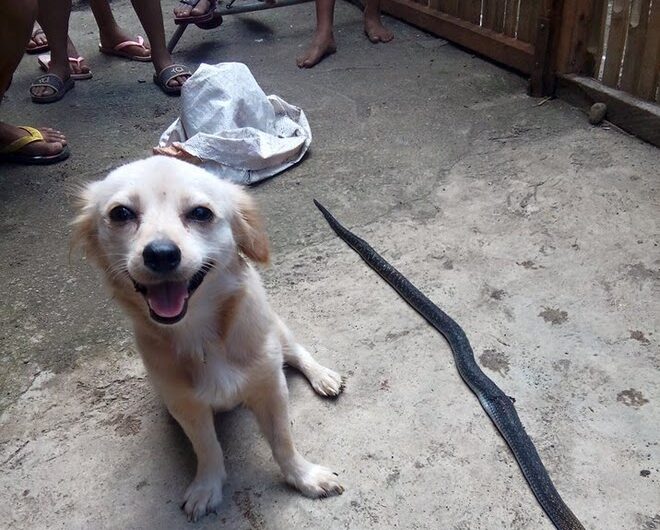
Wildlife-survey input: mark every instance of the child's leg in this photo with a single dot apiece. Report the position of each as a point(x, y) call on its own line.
point(323, 42)
point(110, 33)
point(373, 26)
point(151, 18)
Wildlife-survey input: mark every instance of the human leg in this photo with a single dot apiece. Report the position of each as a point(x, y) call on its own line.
point(54, 19)
point(15, 28)
point(323, 42)
point(151, 18)
point(113, 38)
point(373, 26)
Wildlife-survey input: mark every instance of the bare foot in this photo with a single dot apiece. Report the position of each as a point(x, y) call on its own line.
point(111, 37)
point(184, 10)
point(375, 30)
point(323, 44)
point(38, 38)
point(52, 144)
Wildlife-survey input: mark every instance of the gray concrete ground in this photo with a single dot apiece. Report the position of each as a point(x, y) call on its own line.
point(536, 231)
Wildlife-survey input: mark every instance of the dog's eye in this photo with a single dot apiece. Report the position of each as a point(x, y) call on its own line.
point(121, 214)
point(200, 214)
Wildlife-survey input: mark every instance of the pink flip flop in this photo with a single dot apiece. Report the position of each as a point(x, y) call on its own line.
point(118, 50)
point(44, 64)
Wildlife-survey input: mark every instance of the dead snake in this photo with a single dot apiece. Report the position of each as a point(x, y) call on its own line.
point(496, 403)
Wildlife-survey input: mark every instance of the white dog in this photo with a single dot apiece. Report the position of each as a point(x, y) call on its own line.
point(174, 244)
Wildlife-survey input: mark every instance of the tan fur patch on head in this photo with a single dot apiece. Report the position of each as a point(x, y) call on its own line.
point(85, 236)
point(85, 233)
point(249, 231)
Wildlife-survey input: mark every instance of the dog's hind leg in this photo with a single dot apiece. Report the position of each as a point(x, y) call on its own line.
point(324, 381)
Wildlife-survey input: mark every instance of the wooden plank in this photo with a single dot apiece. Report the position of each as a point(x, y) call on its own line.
point(470, 11)
point(494, 15)
point(565, 41)
point(649, 70)
point(572, 55)
point(503, 49)
point(511, 17)
point(449, 7)
point(596, 39)
point(527, 18)
point(637, 24)
point(632, 114)
point(616, 42)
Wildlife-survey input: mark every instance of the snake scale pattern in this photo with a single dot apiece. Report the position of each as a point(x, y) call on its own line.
point(495, 402)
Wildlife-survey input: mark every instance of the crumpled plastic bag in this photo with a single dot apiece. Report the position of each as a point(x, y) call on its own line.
point(231, 128)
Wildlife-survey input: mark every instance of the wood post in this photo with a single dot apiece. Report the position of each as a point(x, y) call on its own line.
point(542, 78)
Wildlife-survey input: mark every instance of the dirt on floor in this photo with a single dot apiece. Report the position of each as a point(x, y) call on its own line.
point(535, 230)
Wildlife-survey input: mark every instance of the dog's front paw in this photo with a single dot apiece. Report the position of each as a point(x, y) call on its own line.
point(203, 496)
point(327, 383)
point(316, 481)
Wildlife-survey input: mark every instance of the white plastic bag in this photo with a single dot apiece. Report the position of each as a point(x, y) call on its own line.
point(235, 130)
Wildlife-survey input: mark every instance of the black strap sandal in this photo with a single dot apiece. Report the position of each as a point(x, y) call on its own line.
point(167, 74)
point(59, 87)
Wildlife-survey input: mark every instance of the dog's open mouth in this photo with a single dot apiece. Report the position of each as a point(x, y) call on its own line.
point(168, 301)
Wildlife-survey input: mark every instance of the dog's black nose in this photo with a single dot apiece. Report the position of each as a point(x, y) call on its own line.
point(161, 256)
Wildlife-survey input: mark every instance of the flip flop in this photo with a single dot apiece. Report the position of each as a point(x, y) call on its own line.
point(167, 74)
point(44, 64)
point(52, 81)
point(9, 152)
point(195, 19)
point(39, 48)
point(119, 50)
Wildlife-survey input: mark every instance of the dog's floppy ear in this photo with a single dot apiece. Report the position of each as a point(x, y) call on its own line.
point(248, 229)
point(84, 234)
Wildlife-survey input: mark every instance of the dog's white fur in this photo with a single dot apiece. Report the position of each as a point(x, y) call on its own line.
point(229, 348)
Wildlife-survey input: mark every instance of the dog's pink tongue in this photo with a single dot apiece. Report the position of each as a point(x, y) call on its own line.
point(167, 299)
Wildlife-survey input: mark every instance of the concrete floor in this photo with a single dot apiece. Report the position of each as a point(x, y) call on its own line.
point(536, 231)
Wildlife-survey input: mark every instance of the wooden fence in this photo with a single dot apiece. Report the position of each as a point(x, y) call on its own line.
point(620, 46)
point(609, 49)
point(516, 33)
